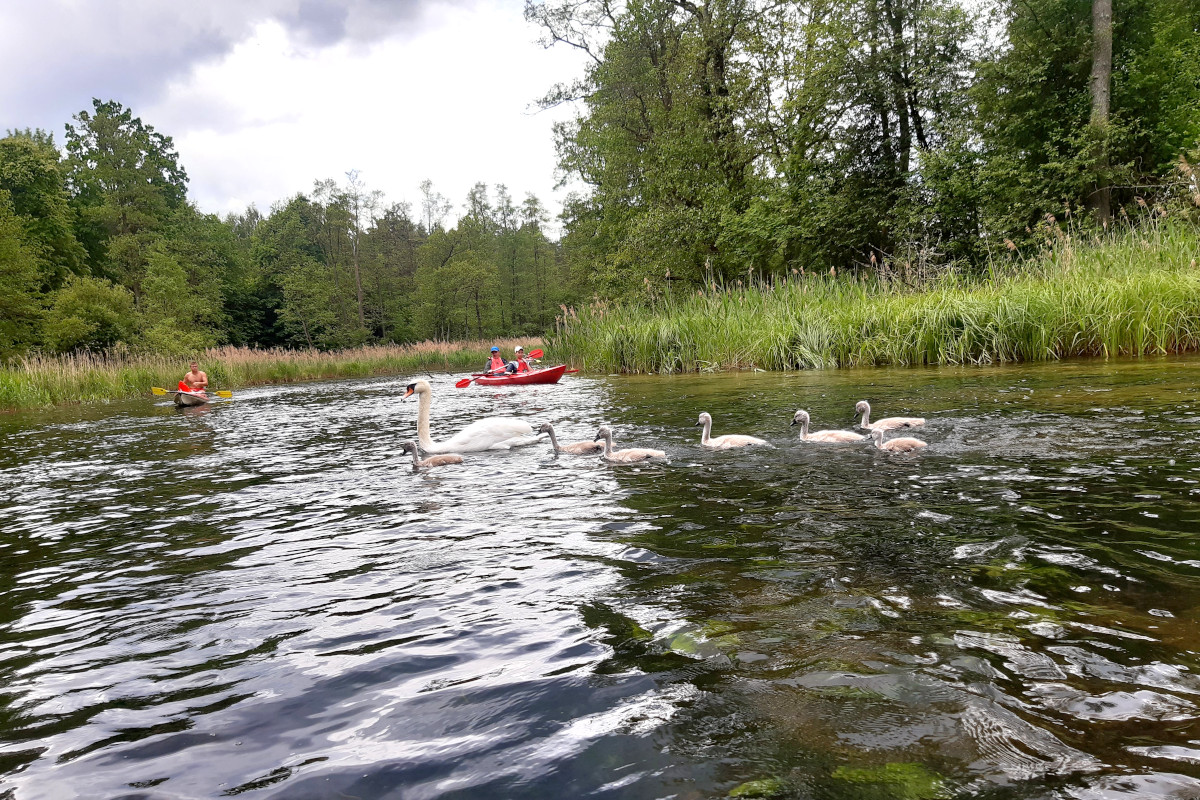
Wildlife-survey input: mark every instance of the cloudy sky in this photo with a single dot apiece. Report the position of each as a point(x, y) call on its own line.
point(264, 96)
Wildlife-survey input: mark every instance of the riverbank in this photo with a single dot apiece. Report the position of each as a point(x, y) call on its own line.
point(1130, 293)
point(47, 381)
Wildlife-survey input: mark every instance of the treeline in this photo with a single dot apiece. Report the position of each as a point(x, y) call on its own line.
point(721, 137)
point(100, 250)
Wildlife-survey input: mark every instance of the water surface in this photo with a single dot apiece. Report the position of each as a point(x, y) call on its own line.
point(260, 598)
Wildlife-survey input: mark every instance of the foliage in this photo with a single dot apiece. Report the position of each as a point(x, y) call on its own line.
point(729, 137)
point(31, 174)
point(80, 377)
point(1135, 292)
point(20, 300)
point(90, 314)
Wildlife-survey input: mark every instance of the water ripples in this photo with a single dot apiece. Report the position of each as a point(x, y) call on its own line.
point(260, 597)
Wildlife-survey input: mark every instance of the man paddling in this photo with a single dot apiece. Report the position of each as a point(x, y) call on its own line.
point(495, 363)
point(195, 380)
point(518, 364)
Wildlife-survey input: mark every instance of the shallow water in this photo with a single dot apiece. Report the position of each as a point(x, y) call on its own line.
point(260, 598)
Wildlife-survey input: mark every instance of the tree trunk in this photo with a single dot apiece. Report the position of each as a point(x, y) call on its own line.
point(1102, 44)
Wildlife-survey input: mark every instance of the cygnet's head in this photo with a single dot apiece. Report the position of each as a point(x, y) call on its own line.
point(877, 434)
point(544, 427)
point(604, 433)
point(705, 419)
point(408, 447)
point(862, 407)
point(800, 418)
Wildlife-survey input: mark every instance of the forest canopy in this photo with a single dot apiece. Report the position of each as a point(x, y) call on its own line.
point(730, 136)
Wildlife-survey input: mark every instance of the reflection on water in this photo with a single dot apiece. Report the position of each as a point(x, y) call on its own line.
point(262, 598)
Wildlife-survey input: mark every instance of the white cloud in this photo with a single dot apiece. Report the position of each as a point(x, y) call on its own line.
point(453, 103)
point(264, 96)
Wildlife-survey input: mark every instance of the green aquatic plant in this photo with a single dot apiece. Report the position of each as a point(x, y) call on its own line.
point(763, 787)
point(1130, 293)
point(894, 781)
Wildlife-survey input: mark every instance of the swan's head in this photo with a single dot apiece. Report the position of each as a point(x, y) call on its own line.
point(877, 435)
point(420, 387)
point(545, 427)
point(408, 447)
point(862, 407)
point(800, 417)
point(605, 432)
point(705, 419)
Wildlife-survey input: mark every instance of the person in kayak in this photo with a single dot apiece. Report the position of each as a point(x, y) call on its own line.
point(518, 364)
point(495, 364)
point(195, 380)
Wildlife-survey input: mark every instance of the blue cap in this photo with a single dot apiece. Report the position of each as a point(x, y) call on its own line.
point(495, 349)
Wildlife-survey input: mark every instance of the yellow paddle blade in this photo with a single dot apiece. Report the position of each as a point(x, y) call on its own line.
point(158, 390)
point(224, 393)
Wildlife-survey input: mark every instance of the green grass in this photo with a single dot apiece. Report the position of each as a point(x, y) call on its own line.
point(45, 381)
point(1128, 293)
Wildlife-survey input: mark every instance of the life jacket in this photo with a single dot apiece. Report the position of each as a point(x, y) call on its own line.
point(521, 365)
point(496, 362)
point(183, 387)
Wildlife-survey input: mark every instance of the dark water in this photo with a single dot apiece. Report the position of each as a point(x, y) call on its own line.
point(260, 598)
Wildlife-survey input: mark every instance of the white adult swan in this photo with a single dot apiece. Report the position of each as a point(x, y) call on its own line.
point(801, 419)
point(624, 456)
point(577, 448)
point(888, 424)
point(433, 461)
point(729, 440)
point(498, 433)
point(902, 445)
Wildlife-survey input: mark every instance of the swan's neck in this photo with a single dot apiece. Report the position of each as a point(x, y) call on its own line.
point(878, 437)
point(608, 445)
point(553, 440)
point(415, 456)
point(804, 429)
point(866, 417)
point(704, 437)
point(424, 400)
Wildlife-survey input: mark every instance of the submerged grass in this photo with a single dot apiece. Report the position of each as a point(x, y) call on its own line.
point(49, 380)
point(1128, 293)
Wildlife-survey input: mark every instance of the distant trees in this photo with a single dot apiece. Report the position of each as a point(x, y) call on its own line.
point(100, 247)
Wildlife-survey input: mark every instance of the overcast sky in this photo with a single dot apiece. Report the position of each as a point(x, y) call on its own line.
point(264, 96)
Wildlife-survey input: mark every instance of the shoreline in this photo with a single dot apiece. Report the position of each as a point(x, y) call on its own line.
point(1134, 293)
point(49, 381)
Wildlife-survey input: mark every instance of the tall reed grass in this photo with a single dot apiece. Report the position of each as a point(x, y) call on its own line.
point(49, 380)
point(1132, 293)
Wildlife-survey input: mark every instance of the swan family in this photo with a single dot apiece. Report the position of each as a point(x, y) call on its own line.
point(504, 433)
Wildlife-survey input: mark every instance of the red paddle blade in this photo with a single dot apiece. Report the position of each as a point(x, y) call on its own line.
point(464, 383)
point(536, 353)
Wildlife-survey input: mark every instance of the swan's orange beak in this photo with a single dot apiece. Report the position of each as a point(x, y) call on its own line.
point(407, 393)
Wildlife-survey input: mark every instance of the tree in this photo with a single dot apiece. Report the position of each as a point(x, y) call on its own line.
point(1100, 89)
point(90, 314)
point(20, 300)
point(127, 181)
point(31, 173)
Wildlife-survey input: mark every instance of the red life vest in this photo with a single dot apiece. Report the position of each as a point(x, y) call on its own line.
point(521, 365)
point(496, 363)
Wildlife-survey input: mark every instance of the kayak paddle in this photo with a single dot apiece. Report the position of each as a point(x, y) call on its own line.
point(158, 390)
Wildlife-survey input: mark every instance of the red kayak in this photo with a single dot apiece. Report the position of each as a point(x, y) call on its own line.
point(547, 375)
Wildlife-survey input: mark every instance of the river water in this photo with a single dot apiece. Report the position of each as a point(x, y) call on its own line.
point(261, 598)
